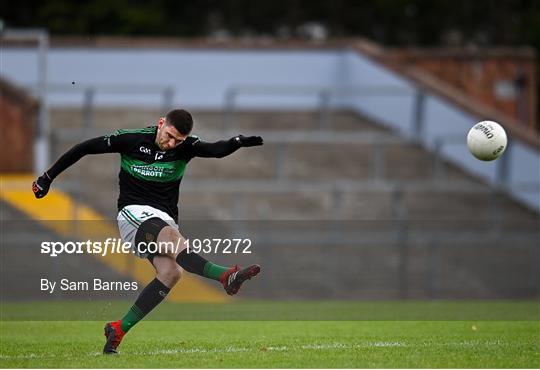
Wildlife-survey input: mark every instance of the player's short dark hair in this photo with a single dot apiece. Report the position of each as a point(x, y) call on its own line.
point(181, 120)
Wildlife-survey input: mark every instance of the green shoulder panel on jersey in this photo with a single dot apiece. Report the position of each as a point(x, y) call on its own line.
point(144, 130)
point(157, 171)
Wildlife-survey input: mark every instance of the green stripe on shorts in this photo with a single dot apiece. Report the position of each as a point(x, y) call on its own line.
point(129, 219)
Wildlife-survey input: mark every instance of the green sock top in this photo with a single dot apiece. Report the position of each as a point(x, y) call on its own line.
point(213, 271)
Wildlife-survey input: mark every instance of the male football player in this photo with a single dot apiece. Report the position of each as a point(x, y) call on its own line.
point(153, 161)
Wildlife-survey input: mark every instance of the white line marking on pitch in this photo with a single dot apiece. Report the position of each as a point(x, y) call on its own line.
point(314, 346)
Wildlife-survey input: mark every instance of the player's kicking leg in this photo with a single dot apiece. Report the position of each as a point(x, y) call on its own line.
point(168, 273)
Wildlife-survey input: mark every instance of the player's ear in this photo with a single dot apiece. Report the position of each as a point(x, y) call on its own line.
point(161, 121)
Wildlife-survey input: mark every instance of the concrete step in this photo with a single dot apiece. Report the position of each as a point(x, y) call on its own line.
point(115, 118)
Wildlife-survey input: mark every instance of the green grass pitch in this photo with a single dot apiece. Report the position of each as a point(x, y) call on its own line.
point(291, 342)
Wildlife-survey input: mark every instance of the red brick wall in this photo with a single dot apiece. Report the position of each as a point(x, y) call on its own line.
point(484, 75)
point(17, 115)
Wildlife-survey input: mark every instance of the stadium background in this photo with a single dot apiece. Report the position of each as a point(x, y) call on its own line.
point(364, 189)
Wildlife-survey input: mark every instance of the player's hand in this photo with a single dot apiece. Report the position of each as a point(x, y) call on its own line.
point(249, 140)
point(41, 186)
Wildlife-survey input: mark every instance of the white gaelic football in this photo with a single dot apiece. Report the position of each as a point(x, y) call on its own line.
point(487, 140)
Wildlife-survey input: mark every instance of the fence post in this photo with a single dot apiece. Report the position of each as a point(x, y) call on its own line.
point(438, 165)
point(168, 95)
point(239, 210)
point(502, 174)
point(418, 114)
point(88, 107)
point(337, 202)
point(228, 113)
point(496, 213)
point(42, 149)
point(281, 157)
point(400, 214)
point(502, 184)
point(377, 162)
point(324, 109)
point(535, 274)
point(433, 270)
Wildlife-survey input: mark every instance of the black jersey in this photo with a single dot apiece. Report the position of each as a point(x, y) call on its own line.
point(148, 176)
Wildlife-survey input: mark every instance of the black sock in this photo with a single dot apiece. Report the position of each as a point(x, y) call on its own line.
point(150, 297)
point(191, 262)
point(194, 263)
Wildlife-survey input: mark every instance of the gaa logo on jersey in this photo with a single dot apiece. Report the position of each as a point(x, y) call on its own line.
point(145, 150)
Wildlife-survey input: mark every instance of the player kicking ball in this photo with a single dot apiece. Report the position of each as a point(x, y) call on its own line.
point(153, 161)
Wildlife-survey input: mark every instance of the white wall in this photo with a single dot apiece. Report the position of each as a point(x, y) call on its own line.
point(199, 77)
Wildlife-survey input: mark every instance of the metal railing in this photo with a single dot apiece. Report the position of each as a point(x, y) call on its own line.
point(90, 92)
point(414, 135)
point(324, 95)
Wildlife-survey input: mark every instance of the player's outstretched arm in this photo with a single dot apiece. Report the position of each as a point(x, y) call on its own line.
point(223, 148)
point(98, 145)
